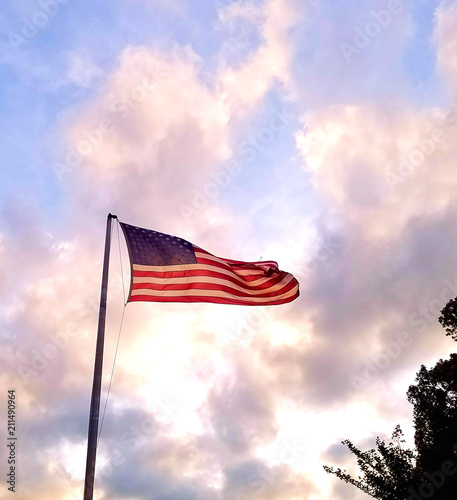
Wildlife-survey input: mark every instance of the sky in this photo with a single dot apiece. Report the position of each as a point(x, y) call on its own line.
point(317, 133)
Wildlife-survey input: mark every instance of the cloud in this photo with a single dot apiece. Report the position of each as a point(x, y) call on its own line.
point(241, 411)
point(380, 164)
point(3, 267)
point(446, 39)
point(82, 71)
point(154, 119)
point(49, 366)
point(244, 86)
point(204, 397)
point(345, 55)
point(159, 131)
point(249, 11)
point(254, 480)
point(176, 7)
point(388, 174)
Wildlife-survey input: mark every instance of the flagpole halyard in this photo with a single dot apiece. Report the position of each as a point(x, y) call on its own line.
point(97, 380)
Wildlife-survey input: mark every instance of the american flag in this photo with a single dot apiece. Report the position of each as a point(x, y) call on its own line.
point(165, 268)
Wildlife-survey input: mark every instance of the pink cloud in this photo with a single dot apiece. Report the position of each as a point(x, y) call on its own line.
point(446, 39)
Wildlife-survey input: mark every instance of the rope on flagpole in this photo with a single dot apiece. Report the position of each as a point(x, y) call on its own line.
point(118, 336)
point(120, 260)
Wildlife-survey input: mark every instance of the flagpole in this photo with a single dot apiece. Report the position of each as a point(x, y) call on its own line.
point(97, 382)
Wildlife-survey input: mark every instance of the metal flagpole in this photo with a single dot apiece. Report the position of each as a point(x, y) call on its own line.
point(97, 383)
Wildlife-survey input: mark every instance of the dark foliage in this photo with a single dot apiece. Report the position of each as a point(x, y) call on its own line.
point(434, 398)
point(391, 472)
point(388, 470)
point(448, 318)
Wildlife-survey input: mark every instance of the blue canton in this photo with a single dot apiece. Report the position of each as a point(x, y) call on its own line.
point(151, 248)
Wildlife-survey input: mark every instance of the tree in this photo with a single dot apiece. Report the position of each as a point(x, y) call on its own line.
point(434, 398)
point(448, 318)
point(391, 472)
point(388, 471)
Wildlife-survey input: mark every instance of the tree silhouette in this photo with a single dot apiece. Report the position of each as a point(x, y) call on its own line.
point(388, 470)
point(435, 420)
point(448, 318)
point(391, 472)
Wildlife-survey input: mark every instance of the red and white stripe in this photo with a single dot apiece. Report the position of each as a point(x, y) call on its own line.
point(213, 279)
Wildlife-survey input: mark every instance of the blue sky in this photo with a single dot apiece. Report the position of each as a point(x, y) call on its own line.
point(346, 177)
point(34, 83)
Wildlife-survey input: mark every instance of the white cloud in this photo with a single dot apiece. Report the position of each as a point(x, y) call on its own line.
point(152, 136)
point(249, 11)
point(245, 86)
point(381, 167)
point(446, 39)
point(158, 129)
point(169, 129)
point(82, 71)
point(176, 7)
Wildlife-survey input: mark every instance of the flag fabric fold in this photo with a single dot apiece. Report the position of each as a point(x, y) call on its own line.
point(166, 268)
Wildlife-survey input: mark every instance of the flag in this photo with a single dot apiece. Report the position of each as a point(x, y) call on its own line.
point(165, 268)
